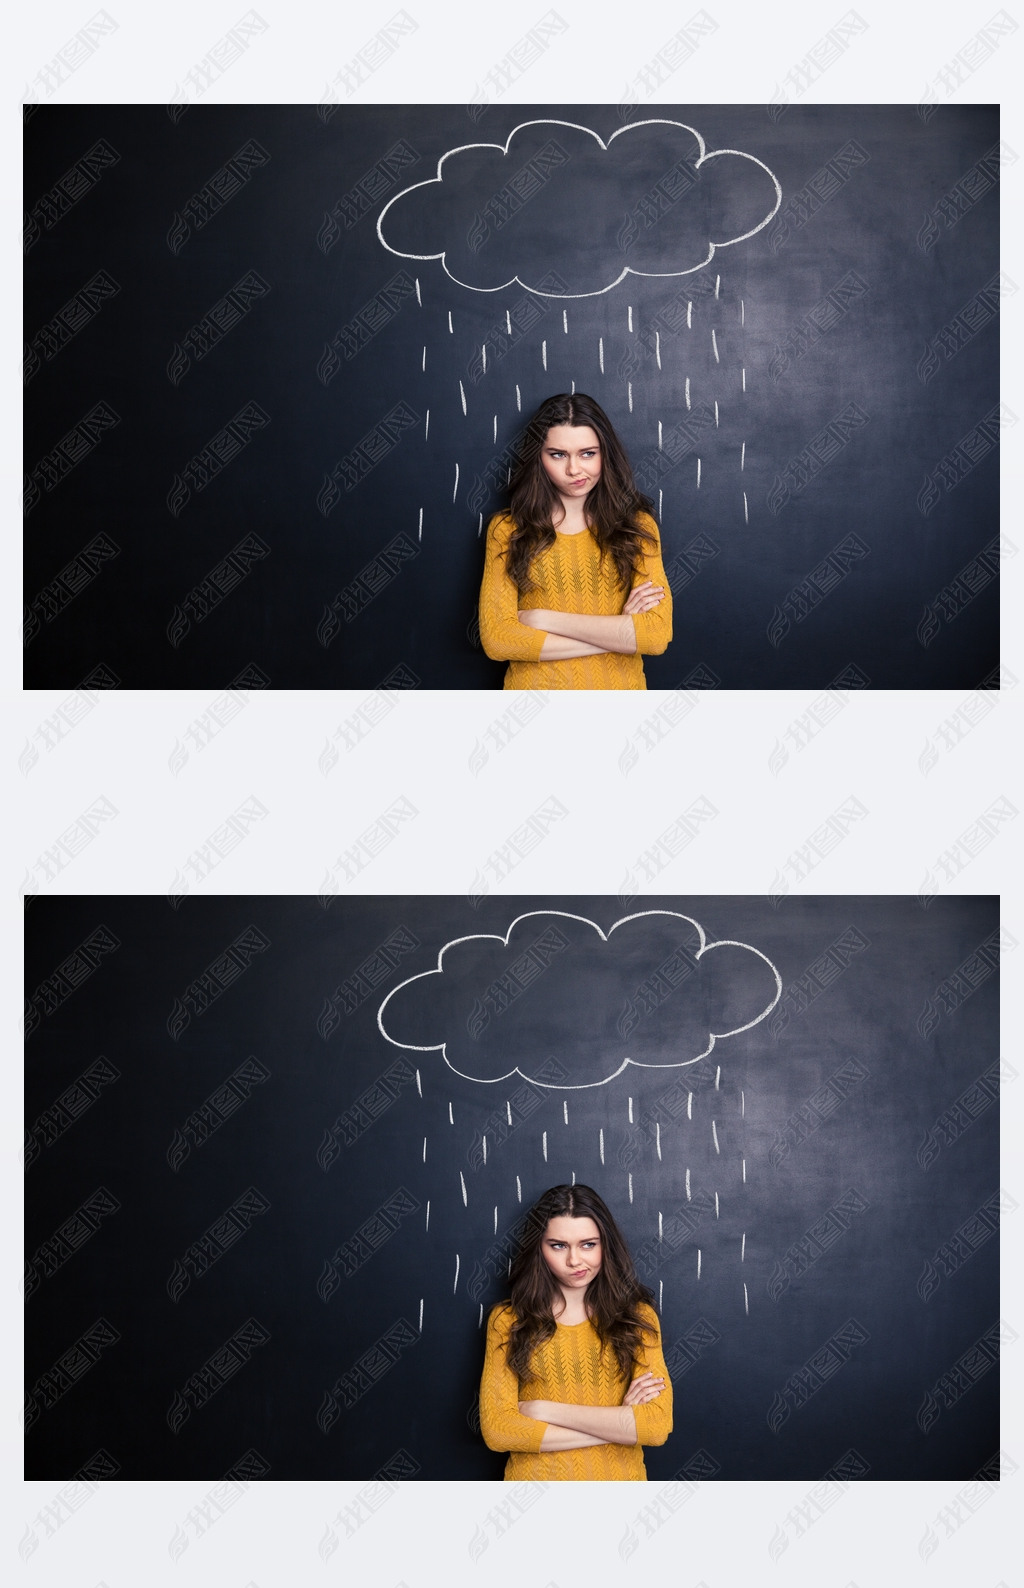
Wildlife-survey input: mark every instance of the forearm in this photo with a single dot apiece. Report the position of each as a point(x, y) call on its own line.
point(558, 1438)
point(556, 648)
point(603, 633)
point(608, 1425)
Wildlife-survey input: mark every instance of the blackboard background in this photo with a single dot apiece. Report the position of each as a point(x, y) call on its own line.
point(901, 1009)
point(418, 629)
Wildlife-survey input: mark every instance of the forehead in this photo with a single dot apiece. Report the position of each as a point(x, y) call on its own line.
point(569, 1229)
point(572, 438)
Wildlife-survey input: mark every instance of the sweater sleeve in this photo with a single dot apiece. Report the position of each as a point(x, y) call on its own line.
point(502, 635)
point(653, 1420)
point(654, 628)
point(501, 1422)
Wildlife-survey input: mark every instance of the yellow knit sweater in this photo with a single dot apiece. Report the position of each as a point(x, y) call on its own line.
point(569, 576)
point(572, 1369)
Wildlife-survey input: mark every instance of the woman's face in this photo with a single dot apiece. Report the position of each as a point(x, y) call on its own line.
point(571, 456)
point(572, 1251)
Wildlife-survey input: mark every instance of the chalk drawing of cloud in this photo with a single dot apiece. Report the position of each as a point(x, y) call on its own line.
point(651, 992)
point(652, 201)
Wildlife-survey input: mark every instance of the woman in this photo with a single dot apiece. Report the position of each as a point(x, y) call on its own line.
point(574, 590)
point(574, 1381)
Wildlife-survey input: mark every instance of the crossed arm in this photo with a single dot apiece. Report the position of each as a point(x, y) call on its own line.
point(572, 1427)
point(570, 634)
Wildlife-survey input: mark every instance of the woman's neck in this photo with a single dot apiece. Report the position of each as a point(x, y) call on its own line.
point(574, 1308)
point(573, 518)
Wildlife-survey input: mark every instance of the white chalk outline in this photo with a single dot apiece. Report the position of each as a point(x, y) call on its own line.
point(653, 121)
point(567, 915)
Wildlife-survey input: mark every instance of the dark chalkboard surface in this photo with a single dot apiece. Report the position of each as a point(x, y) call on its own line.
point(266, 420)
point(264, 1222)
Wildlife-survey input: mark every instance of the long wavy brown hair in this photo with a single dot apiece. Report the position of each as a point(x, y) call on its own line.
point(611, 507)
point(612, 1297)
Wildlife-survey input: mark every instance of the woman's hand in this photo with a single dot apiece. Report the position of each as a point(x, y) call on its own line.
point(644, 597)
point(643, 1389)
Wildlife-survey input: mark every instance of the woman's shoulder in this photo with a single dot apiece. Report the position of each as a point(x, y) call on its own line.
point(501, 524)
point(501, 1317)
point(645, 1311)
point(645, 521)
